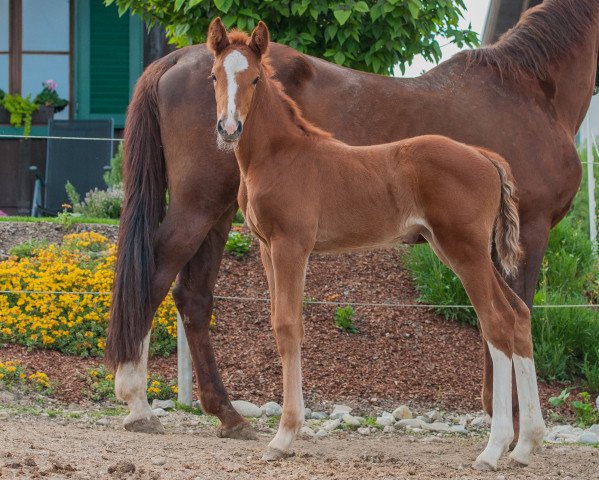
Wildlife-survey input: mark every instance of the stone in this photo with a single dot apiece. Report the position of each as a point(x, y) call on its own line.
point(479, 422)
point(307, 413)
point(389, 429)
point(197, 404)
point(319, 416)
point(247, 409)
point(350, 420)
point(409, 422)
point(364, 431)
point(321, 433)
point(402, 413)
point(434, 416)
point(307, 431)
point(458, 429)
point(436, 427)
point(164, 404)
point(594, 429)
point(339, 411)
point(272, 409)
point(159, 412)
point(385, 419)
point(331, 424)
point(122, 467)
point(423, 419)
point(103, 422)
point(588, 438)
point(158, 461)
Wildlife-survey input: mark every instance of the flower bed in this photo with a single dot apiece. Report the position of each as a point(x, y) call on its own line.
point(73, 324)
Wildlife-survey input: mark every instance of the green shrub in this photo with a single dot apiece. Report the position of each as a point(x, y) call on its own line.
point(238, 218)
point(114, 177)
point(238, 244)
point(344, 319)
point(28, 248)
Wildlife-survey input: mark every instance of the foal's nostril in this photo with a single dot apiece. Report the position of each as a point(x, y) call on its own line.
point(239, 127)
point(219, 127)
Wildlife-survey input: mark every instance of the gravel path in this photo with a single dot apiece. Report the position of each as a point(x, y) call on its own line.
point(38, 446)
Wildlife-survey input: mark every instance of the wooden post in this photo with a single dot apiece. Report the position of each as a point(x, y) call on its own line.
point(184, 367)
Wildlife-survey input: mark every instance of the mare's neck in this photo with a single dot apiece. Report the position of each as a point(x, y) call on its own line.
point(269, 127)
point(574, 81)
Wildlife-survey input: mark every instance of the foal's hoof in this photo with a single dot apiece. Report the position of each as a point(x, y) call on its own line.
point(483, 466)
point(241, 431)
point(145, 425)
point(274, 454)
point(519, 460)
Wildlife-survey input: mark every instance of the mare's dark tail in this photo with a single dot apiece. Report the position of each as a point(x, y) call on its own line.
point(145, 199)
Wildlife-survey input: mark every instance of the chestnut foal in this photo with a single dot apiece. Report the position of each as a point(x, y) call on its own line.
point(303, 191)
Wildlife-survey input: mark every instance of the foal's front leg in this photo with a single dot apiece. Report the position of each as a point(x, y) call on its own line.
point(288, 275)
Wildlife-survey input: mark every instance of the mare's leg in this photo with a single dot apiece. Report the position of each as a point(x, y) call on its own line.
point(177, 239)
point(289, 262)
point(467, 254)
point(193, 294)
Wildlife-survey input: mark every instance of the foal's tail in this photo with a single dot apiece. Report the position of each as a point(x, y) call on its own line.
point(507, 224)
point(143, 208)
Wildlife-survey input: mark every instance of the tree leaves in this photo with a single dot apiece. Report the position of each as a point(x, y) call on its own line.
point(371, 35)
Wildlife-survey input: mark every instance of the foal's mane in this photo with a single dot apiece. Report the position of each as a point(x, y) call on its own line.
point(237, 37)
point(543, 36)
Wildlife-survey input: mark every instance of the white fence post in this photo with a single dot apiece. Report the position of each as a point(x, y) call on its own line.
point(591, 187)
point(184, 368)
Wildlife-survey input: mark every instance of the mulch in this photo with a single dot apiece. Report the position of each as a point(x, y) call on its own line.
point(399, 355)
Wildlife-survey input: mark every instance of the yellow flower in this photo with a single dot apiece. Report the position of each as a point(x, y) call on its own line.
point(110, 376)
point(155, 383)
point(175, 389)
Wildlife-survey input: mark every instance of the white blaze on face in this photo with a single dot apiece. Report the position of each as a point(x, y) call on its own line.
point(233, 64)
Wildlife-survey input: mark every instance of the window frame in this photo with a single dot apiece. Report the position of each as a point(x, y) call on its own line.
point(16, 51)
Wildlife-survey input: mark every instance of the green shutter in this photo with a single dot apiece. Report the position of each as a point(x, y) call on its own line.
point(108, 60)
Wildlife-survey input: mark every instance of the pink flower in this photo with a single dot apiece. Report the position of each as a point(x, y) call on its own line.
point(50, 84)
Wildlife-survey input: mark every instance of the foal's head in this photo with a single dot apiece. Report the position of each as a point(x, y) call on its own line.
point(236, 72)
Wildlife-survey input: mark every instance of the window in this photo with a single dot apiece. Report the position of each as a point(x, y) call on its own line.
point(35, 45)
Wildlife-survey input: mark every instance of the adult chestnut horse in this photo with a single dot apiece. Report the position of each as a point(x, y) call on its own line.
point(523, 97)
point(303, 191)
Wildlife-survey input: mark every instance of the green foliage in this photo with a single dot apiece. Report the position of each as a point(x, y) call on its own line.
point(114, 177)
point(49, 97)
point(97, 203)
point(344, 319)
point(28, 249)
point(565, 339)
point(238, 218)
point(560, 400)
point(20, 109)
point(373, 35)
point(238, 244)
point(585, 411)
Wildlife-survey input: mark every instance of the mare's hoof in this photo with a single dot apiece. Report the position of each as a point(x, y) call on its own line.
point(483, 466)
point(241, 431)
point(274, 454)
point(145, 425)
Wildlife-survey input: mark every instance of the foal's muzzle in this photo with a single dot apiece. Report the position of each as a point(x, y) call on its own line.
point(225, 135)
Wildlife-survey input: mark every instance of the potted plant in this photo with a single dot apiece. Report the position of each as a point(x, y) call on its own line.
point(23, 111)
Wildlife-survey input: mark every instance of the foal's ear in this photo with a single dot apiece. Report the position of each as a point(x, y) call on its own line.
point(260, 39)
point(217, 36)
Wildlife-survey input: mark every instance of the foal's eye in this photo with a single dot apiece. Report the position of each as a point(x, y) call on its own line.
point(213, 77)
point(255, 81)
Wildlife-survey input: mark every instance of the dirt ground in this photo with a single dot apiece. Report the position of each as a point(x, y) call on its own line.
point(38, 446)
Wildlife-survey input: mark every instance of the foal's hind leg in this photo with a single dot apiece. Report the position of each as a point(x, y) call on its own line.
point(468, 256)
point(193, 296)
point(177, 239)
